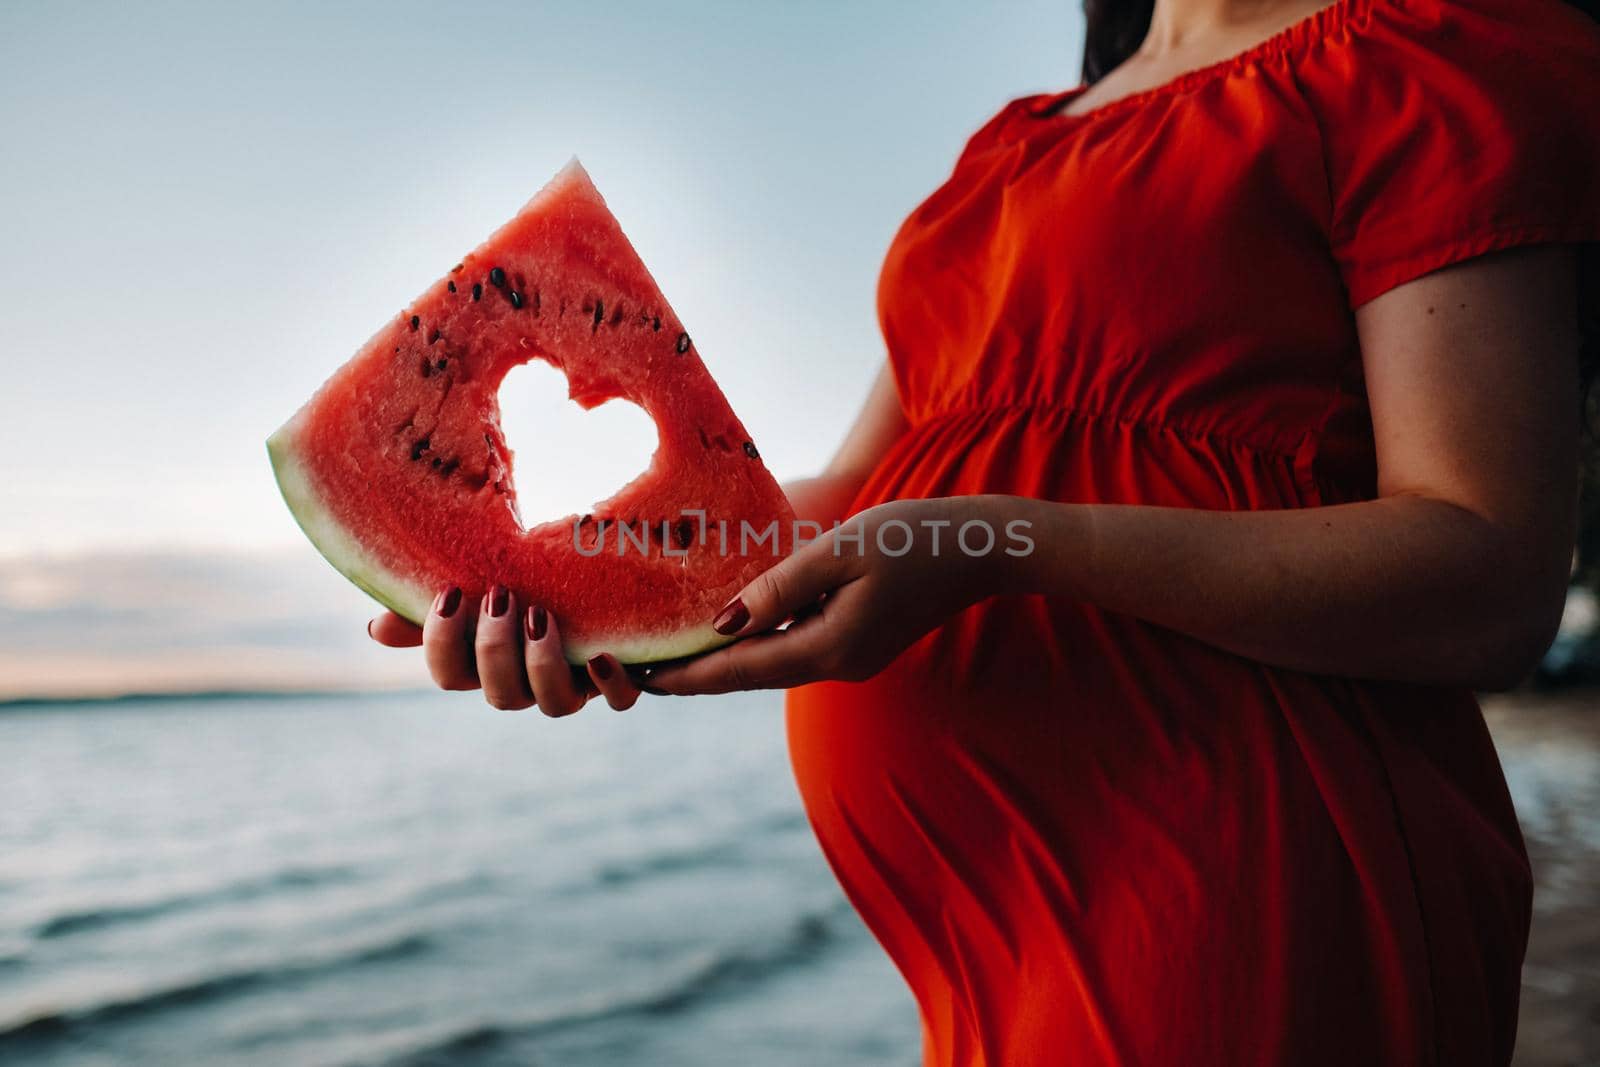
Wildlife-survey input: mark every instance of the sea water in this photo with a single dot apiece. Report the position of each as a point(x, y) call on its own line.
point(416, 879)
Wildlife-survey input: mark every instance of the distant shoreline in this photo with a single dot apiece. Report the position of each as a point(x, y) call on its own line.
point(28, 703)
point(1573, 697)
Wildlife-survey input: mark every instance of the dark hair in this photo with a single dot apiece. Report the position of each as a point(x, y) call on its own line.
point(1116, 28)
point(1115, 31)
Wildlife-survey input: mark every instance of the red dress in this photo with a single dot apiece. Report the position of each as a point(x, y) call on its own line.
point(1086, 839)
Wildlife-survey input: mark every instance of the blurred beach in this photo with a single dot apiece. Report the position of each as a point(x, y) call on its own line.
point(1549, 745)
point(411, 879)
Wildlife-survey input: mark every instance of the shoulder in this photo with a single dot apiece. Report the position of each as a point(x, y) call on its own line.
point(1450, 128)
point(1505, 53)
point(1457, 90)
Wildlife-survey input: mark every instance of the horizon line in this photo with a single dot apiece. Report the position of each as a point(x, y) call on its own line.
point(241, 694)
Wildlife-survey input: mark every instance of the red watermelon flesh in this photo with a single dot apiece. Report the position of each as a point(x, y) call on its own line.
point(398, 471)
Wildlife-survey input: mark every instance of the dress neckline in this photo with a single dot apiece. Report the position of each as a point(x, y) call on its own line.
point(1047, 106)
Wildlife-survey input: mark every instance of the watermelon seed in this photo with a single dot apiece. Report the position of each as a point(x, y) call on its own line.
point(497, 277)
point(416, 320)
point(599, 313)
point(457, 268)
point(616, 315)
point(683, 533)
point(422, 445)
point(477, 292)
point(516, 298)
point(655, 323)
point(536, 303)
point(437, 462)
point(683, 343)
point(427, 369)
point(450, 286)
point(750, 450)
point(433, 336)
point(450, 467)
point(442, 363)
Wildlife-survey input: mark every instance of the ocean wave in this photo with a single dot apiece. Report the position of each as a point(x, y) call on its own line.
point(802, 941)
point(34, 1023)
point(13, 953)
point(94, 918)
point(668, 862)
point(783, 822)
point(731, 850)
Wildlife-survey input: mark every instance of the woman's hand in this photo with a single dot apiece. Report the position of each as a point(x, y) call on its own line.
point(857, 601)
point(513, 653)
point(858, 596)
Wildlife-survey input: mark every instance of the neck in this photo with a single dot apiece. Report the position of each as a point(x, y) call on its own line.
point(1175, 23)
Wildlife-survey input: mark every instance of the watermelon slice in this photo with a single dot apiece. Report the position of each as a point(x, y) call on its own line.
point(398, 472)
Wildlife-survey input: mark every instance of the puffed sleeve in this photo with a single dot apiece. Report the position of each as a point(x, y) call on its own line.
point(1452, 128)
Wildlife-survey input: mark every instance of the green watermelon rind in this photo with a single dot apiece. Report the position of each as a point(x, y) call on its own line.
point(412, 601)
point(331, 539)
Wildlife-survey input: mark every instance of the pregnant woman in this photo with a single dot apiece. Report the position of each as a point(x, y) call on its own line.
point(1268, 335)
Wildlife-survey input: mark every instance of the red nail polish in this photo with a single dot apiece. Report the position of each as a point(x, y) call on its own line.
point(732, 618)
point(498, 600)
point(601, 665)
point(452, 601)
point(536, 623)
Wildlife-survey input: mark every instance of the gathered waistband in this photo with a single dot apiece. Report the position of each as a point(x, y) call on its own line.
point(1060, 413)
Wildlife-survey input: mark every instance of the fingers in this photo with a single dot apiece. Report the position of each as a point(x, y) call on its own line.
point(390, 629)
point(553, 685)
point(514, 668)
point(613, 682)
point(794, 656)
point(444, 643)
point(498, 647)
point(784, 590)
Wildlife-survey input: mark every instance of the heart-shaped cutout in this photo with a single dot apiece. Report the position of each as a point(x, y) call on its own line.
point(566, 460)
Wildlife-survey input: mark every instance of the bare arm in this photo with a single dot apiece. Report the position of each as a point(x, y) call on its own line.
point(824, 498)
point(1455, 574)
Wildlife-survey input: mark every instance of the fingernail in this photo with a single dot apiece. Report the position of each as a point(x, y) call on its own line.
point(369, 627)
point(601, 666)
point(498, 600)
point(536, 623)
point(732, 618)
point(450, 602)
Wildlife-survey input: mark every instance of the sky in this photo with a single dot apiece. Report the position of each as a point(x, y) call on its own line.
point(206, 208)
